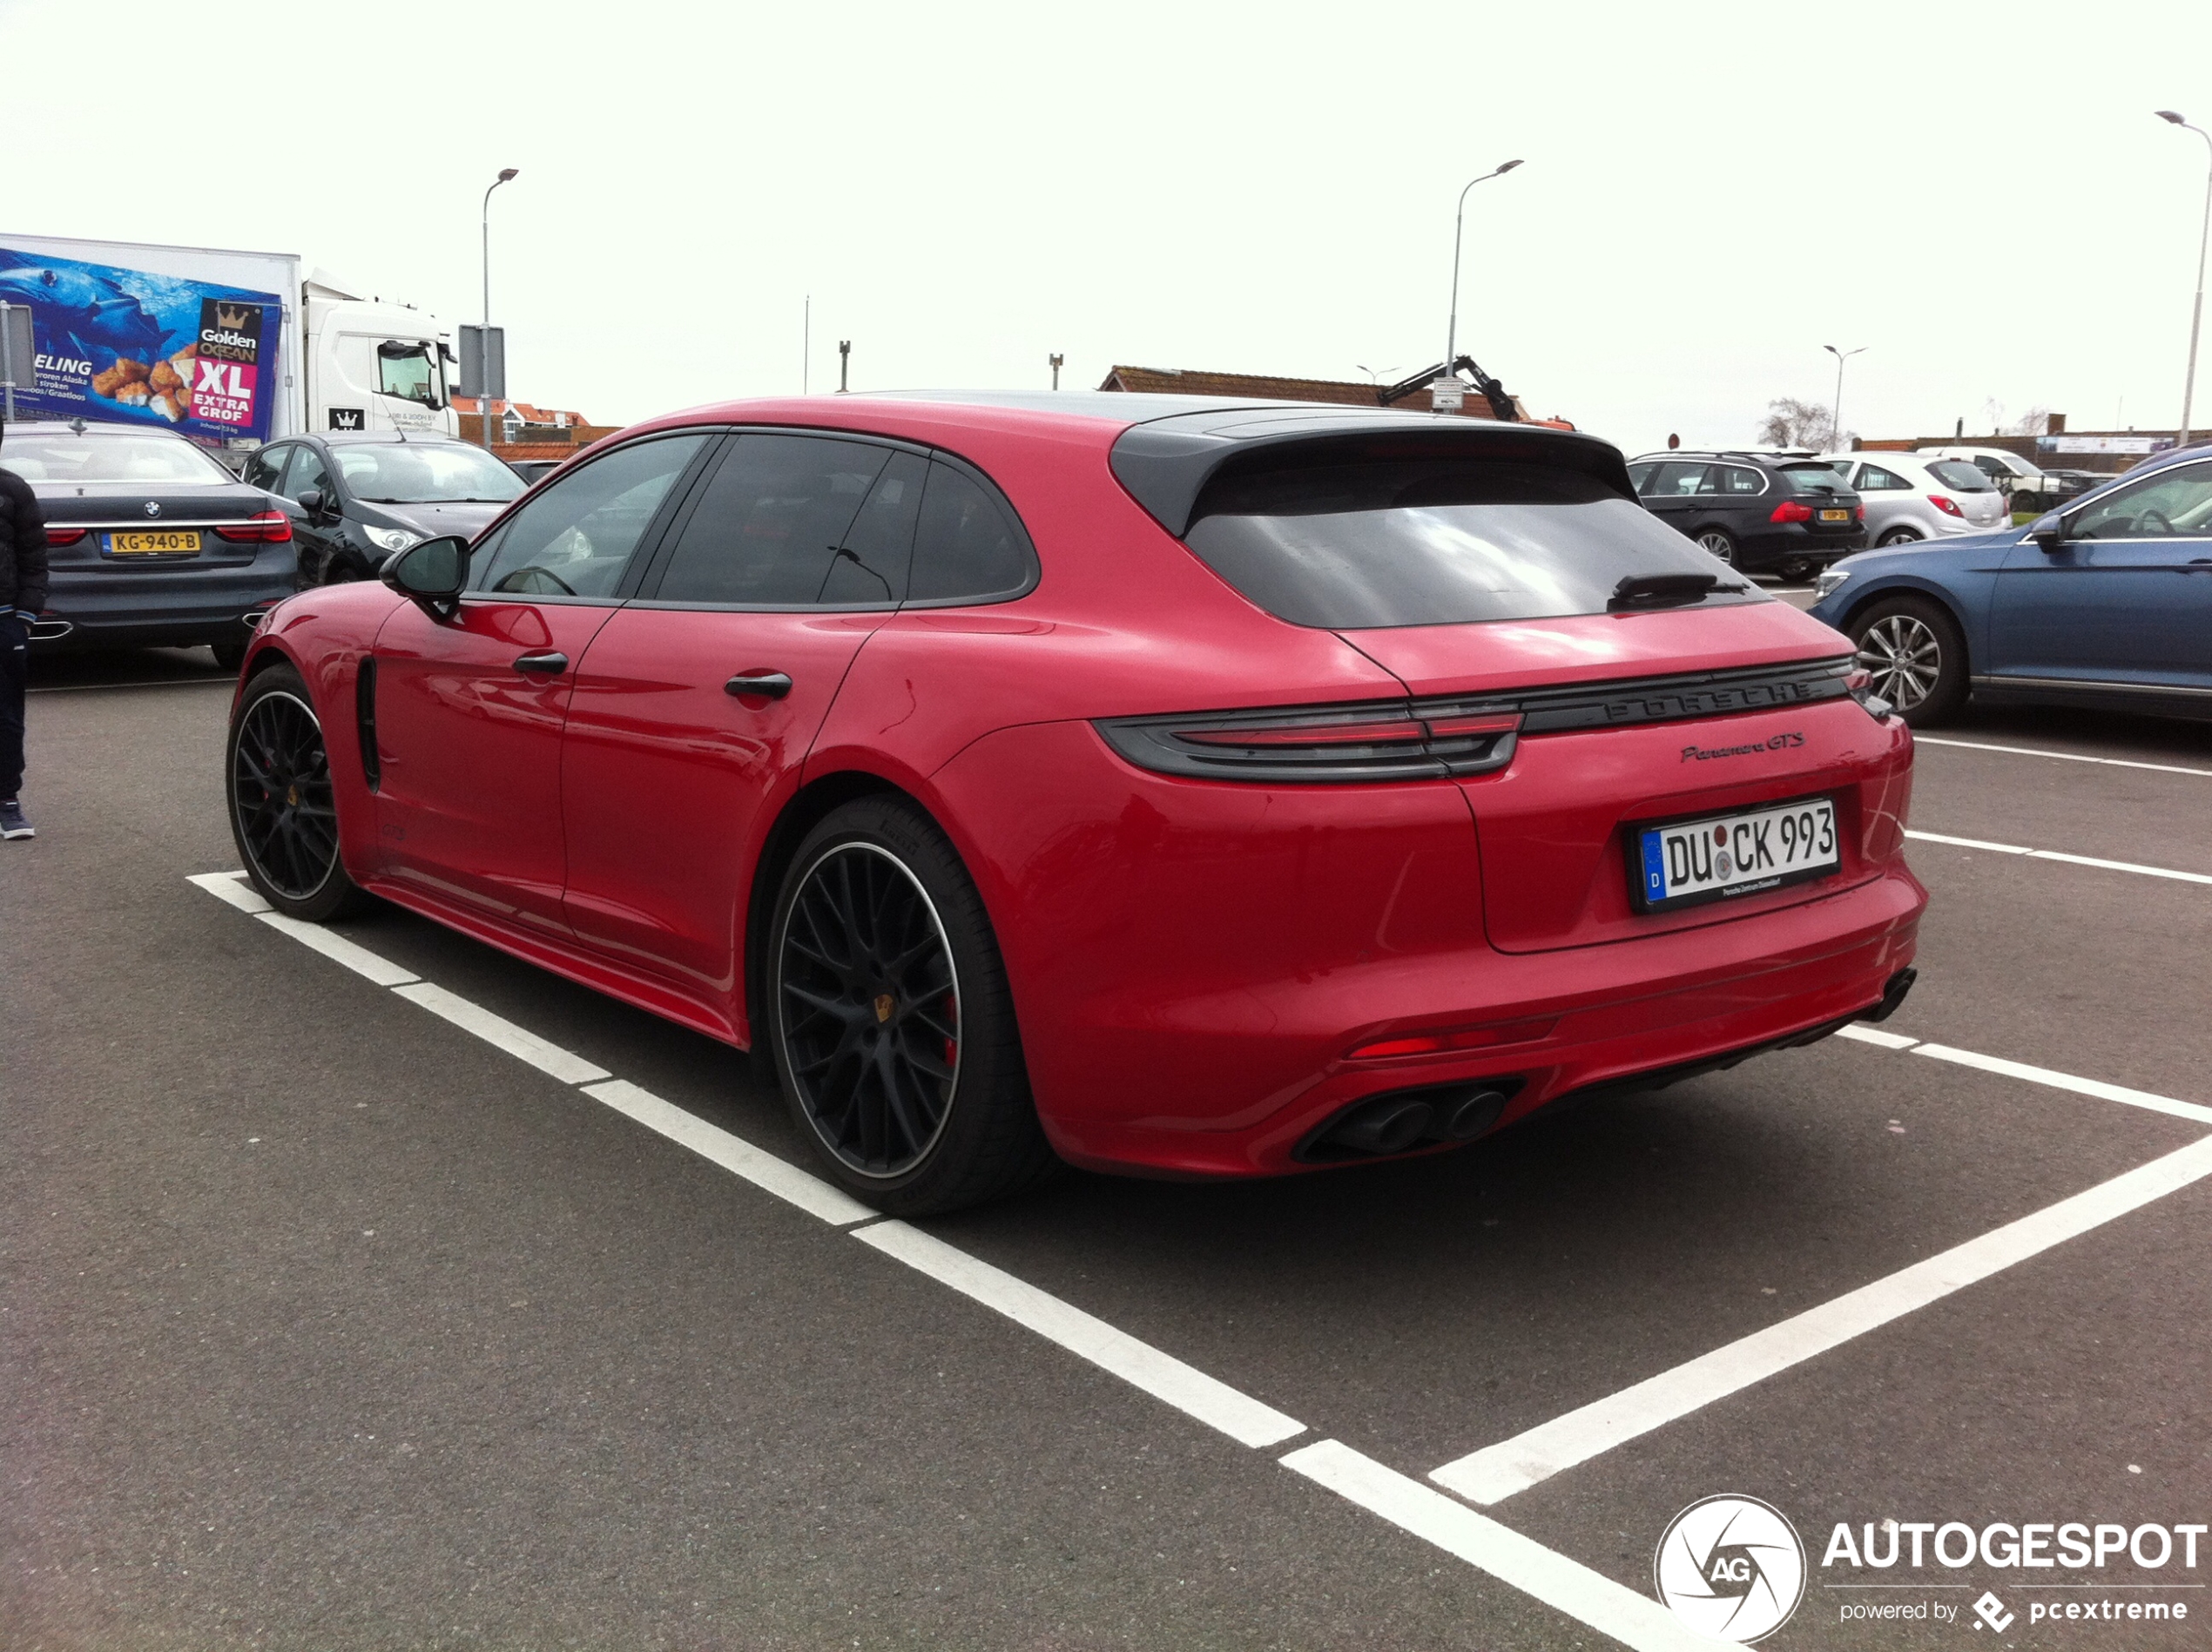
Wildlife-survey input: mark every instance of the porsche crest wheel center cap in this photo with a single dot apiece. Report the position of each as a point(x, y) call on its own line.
point(883, 1006)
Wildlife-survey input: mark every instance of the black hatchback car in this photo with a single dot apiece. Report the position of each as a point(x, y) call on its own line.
point(359, 497)
point(1764, 512)
point(149, 541)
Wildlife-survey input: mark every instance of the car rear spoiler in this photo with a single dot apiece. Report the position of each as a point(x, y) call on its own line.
point(1166, 463)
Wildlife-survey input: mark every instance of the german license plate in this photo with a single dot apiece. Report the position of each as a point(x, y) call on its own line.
point(1685, 863)
point(1835, 515)
point(173, 542)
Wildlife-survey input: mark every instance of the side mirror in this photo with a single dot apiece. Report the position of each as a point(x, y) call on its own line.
point(311, 500)
point(431, 574)
point(2048, 532)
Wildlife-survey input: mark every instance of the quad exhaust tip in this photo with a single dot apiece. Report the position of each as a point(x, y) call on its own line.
point(1402, 1120)
point(49, 630)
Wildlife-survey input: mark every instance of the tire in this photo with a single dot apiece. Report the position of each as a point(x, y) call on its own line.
point(1917, 655)
point(1797, 569)
point(890, 1021)
point(1901, 537)
point(283, 808)
point(1717, 541)
point(228, 655)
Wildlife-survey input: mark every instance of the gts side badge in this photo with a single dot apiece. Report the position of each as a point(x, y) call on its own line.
point(1706, 754)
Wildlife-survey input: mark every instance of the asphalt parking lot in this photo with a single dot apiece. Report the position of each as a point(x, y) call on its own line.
point(327, 1320)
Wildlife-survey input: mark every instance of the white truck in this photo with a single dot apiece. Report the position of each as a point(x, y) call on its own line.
point(232, 349)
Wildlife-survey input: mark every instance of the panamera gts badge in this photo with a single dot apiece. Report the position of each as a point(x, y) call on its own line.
point(1706, 754)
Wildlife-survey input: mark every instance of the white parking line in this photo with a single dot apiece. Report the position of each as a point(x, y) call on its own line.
point(733, 1153)
point(1633, 1619)
point(2063, 757)
point(2055, 854)
point(2095, 1087)
point(498, 1031)
point(1161, 1375)
point(1497, 1472)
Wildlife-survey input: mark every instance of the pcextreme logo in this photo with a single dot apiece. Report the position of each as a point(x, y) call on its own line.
point(1730, 1567)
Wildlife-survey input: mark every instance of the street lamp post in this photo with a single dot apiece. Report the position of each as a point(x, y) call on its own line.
point(1459, 223)
point(1836, 407)
point(2197, 310)
point(484, 339)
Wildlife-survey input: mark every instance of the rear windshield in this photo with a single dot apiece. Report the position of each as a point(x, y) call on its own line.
point(1812, 476)
point(1961, 478)
point(163, 460)
point(1431, 542)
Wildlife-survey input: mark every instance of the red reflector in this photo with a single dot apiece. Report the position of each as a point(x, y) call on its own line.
point(1791, 510)
point(1508, 1032)
point(1858, 513)
point(265, 528)
point(64, 535)
point(1311, 734)
point(1949, 507)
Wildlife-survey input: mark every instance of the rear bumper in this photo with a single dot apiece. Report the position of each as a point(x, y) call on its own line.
point(1192, 961)
point(177, 608)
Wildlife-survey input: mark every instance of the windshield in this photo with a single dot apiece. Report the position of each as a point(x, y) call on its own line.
point(1433, 542)
point(424, 473)
point(1958, 475)
point(408, 369)
point(1811, 476)
point(169, 461)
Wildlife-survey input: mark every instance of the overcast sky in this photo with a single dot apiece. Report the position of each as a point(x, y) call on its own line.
point(1978, 195)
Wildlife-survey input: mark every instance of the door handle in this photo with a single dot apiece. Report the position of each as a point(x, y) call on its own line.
point(551, 664)
point(771, 685)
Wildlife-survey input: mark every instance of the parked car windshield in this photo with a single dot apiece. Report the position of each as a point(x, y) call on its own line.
point(424, 473)
point(1958, 475)
point(1811, 475)
point(1436, 542)
point(167, 461)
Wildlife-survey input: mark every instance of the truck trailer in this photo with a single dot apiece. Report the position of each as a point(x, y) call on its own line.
point(231, 348)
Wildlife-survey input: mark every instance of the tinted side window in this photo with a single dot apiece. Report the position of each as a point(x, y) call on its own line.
point(1640, 477)
point(969, 547)
point(870, 567)
point(1741, 480)
point(770, 522)
point(266, 468)
point(575, 539)
point(308, 471)
point(1677, 478)
point(1876, 480)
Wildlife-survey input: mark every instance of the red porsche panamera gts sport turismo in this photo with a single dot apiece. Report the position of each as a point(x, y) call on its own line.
point(1182, 787)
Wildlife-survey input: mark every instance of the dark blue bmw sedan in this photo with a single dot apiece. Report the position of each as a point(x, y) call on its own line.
point(2107, 603)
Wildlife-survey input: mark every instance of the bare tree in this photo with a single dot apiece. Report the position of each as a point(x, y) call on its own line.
point(1791, 423)
point(2035, 421)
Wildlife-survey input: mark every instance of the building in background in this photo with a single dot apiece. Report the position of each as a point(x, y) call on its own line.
point(521, 430)
point(2103, 452)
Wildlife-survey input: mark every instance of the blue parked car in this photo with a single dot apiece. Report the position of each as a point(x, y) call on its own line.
point(2105, 604)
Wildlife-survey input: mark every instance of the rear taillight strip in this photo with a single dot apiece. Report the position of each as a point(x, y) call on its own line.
point(1395, 740)
point(1433, 738)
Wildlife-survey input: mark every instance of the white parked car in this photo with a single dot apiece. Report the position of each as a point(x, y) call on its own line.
point(2027, 484)
point(1913, 496)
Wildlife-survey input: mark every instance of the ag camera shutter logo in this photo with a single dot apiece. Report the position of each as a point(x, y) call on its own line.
point(1730, 1567)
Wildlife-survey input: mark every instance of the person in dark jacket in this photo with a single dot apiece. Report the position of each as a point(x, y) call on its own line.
point(22, 593)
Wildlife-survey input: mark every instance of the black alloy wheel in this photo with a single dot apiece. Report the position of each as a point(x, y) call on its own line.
point(284, 811)
point(891, 1023)
point(871, 1009)
point(1916, 656)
